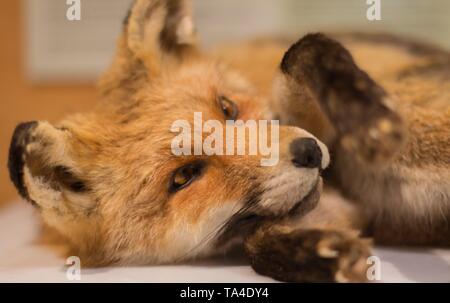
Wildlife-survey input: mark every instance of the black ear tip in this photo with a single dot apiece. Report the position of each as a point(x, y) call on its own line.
point(127, 18)
point(312, 37)
point(310, 48)
point(19, 141)
point(290, 57)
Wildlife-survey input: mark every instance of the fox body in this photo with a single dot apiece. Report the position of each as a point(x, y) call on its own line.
point(406, 189)
point(109, 183)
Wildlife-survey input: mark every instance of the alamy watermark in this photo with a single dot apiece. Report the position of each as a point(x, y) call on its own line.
point(238, 137)
point(73, 12)
point(73, 272)
point(374, 270)
point(373, 13)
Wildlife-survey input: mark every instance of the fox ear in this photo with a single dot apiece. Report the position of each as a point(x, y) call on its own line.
point(43, 170)
point(157, 34)
point(156, 30)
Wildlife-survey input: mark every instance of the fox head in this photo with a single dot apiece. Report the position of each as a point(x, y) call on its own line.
point(108, 181)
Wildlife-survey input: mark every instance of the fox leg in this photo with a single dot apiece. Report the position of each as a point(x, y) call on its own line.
point(322, 70)
point(411, 194)
point(394, 161)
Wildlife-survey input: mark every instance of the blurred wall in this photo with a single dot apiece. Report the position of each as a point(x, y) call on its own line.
point(21, 101)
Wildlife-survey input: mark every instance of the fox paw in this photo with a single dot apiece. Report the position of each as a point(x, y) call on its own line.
point(310, 256)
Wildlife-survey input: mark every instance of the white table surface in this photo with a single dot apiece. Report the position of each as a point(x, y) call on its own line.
point(23, 260)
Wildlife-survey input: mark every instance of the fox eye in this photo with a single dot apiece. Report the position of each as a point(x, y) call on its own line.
point(183, 176)
point(229, 108)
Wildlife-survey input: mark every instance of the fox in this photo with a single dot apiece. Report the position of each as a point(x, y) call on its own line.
point(364, 152)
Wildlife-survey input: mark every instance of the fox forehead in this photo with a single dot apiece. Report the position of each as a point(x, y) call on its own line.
point(148, 113)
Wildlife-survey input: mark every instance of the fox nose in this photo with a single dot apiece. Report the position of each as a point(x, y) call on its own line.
point(306, 153)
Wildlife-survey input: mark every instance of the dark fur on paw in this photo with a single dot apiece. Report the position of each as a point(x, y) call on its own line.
point(309, 256)
point(354, 103)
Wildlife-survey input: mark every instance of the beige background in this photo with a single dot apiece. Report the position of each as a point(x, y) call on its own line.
point(22, 101)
